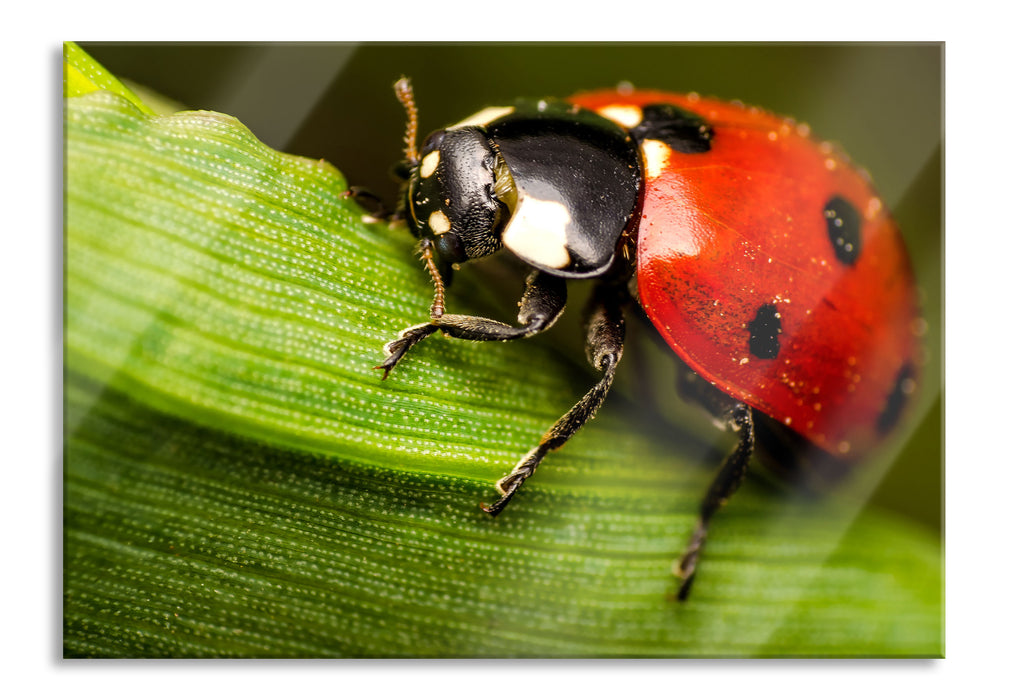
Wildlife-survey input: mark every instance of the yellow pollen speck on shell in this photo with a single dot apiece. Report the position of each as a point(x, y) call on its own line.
point(873, 209)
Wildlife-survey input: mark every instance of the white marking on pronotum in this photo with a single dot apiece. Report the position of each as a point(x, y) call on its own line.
point(627, 116)
point(656, 155)
point(439, 223)
point(484, 117)
point(430, 163)
point(537, 232)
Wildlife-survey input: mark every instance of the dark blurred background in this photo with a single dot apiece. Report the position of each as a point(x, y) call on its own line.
point(882, 102)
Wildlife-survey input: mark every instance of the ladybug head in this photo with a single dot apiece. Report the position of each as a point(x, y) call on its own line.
point(553, 184)
point(459, 195)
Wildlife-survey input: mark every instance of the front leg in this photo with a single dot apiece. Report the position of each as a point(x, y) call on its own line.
point(541, 306)
point(372, 204)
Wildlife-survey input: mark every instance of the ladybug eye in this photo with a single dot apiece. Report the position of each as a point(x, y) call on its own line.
point(450, 248)
point(433, 141)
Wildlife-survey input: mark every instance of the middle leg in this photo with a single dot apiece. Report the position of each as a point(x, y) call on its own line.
point(604, 346)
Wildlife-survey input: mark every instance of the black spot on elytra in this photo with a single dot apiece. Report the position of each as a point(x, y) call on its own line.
point(678, 128)
point(764, 330)
point(844, 229)
point(897, 399)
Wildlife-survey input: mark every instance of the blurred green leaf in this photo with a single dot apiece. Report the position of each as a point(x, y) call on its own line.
point(240, 482)
point(83, 75)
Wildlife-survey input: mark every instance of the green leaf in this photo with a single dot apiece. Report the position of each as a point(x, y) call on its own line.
point(82, 75)
point(239, 481)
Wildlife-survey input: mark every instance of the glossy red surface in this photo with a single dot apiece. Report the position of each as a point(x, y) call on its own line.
point(724, 232)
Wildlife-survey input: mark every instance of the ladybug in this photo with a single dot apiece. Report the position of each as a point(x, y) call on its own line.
point(762, 257)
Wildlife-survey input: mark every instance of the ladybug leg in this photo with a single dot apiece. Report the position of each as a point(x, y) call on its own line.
point(541, 305)
point(372, 204)
point(604, 346)
point(730, 475)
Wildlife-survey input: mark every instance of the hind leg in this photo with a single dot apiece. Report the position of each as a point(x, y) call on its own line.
point(738, 417)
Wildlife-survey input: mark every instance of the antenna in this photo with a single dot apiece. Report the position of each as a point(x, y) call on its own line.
point(404, 93)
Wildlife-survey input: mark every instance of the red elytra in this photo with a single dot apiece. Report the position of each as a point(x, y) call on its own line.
point(741, 226)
